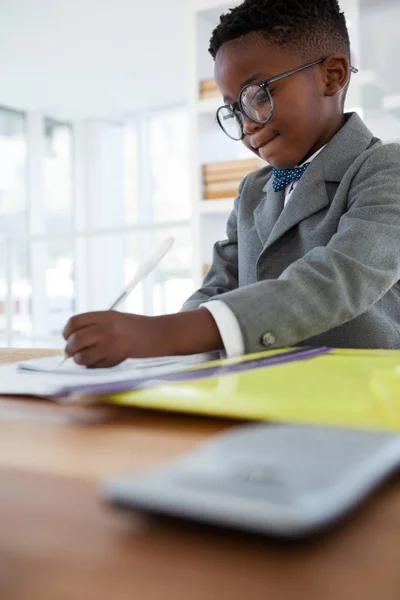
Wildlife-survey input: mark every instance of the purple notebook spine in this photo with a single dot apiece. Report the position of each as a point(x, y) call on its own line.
point(302, 353)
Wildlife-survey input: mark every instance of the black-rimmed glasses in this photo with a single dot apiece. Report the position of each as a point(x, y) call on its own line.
point(255, 102)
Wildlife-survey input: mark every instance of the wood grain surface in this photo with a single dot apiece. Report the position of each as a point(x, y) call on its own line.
point(60, 541)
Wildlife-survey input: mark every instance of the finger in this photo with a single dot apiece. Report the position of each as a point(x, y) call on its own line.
point(83, 338)
point(79, 321)
point(105, 363)
point(89, 357)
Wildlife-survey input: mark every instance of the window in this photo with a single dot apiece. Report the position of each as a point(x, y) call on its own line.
point(131, 173)
point(58, 139)
point(132, 189)
point(169, 163)
point(171, 200)
point(15, 292)
point(58, 215)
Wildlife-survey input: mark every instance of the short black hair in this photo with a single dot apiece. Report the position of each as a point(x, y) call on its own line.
point(311, 28)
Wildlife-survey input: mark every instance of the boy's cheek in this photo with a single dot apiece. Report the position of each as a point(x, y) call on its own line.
point(249, 147)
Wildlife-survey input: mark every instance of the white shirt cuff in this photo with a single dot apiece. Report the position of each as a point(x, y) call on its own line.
point(228, 327)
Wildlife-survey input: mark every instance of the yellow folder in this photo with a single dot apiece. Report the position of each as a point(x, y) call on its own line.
point(351, 388)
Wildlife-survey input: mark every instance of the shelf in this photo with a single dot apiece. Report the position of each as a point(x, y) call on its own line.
point(220, 206)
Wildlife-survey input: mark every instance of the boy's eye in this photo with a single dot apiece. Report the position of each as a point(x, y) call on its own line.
point(255, 96)
point(260, 98)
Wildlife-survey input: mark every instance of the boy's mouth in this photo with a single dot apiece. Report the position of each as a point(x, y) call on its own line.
point(258, 147)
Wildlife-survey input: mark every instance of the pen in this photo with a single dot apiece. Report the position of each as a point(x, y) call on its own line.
point(143, 270)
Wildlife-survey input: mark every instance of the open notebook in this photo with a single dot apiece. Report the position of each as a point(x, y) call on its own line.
point(56, 365)
point(48, 377)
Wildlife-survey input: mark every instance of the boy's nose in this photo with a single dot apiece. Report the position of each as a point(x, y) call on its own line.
point(250, 127)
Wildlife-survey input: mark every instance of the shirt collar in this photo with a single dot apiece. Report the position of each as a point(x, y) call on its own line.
point(311, 157)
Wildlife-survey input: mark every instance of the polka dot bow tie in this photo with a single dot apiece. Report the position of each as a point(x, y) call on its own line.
point(282, 177)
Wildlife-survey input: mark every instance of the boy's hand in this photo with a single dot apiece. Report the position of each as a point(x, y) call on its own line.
point(104, 339)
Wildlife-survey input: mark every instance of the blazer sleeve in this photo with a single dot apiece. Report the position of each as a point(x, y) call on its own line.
point(335, 283)
point(223, 274)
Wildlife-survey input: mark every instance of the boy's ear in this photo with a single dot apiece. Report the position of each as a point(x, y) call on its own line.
point(337, 73)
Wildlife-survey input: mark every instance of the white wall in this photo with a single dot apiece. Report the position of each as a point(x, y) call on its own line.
point(92, 58)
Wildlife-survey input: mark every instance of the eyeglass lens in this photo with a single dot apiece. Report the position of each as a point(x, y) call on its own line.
point(256, 103)
point(257, 106)
point(231, 122)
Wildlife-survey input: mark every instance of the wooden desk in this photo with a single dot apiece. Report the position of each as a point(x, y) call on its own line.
point(59, 542)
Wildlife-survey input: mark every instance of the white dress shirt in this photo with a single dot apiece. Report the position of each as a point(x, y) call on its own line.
point(223, 316)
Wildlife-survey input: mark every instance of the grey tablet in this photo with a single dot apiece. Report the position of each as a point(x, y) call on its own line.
point(286, 480)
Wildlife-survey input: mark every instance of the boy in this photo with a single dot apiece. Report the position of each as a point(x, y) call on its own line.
point(312, 254)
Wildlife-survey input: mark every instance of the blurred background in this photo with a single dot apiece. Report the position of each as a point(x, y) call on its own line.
point(108, 144)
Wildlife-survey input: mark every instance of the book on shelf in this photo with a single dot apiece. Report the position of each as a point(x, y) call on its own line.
point(225, 176)
point(220, 195)
point(222, 179)
point(246, 165)
point(221, 186)
point(230, 175)
point(207, 84)
point(210, 94)
point(208, 89)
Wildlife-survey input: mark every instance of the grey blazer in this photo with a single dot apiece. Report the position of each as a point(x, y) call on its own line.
point(325, 269)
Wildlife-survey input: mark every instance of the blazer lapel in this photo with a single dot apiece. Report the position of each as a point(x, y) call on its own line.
point(310, 195)
point(268, 211)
